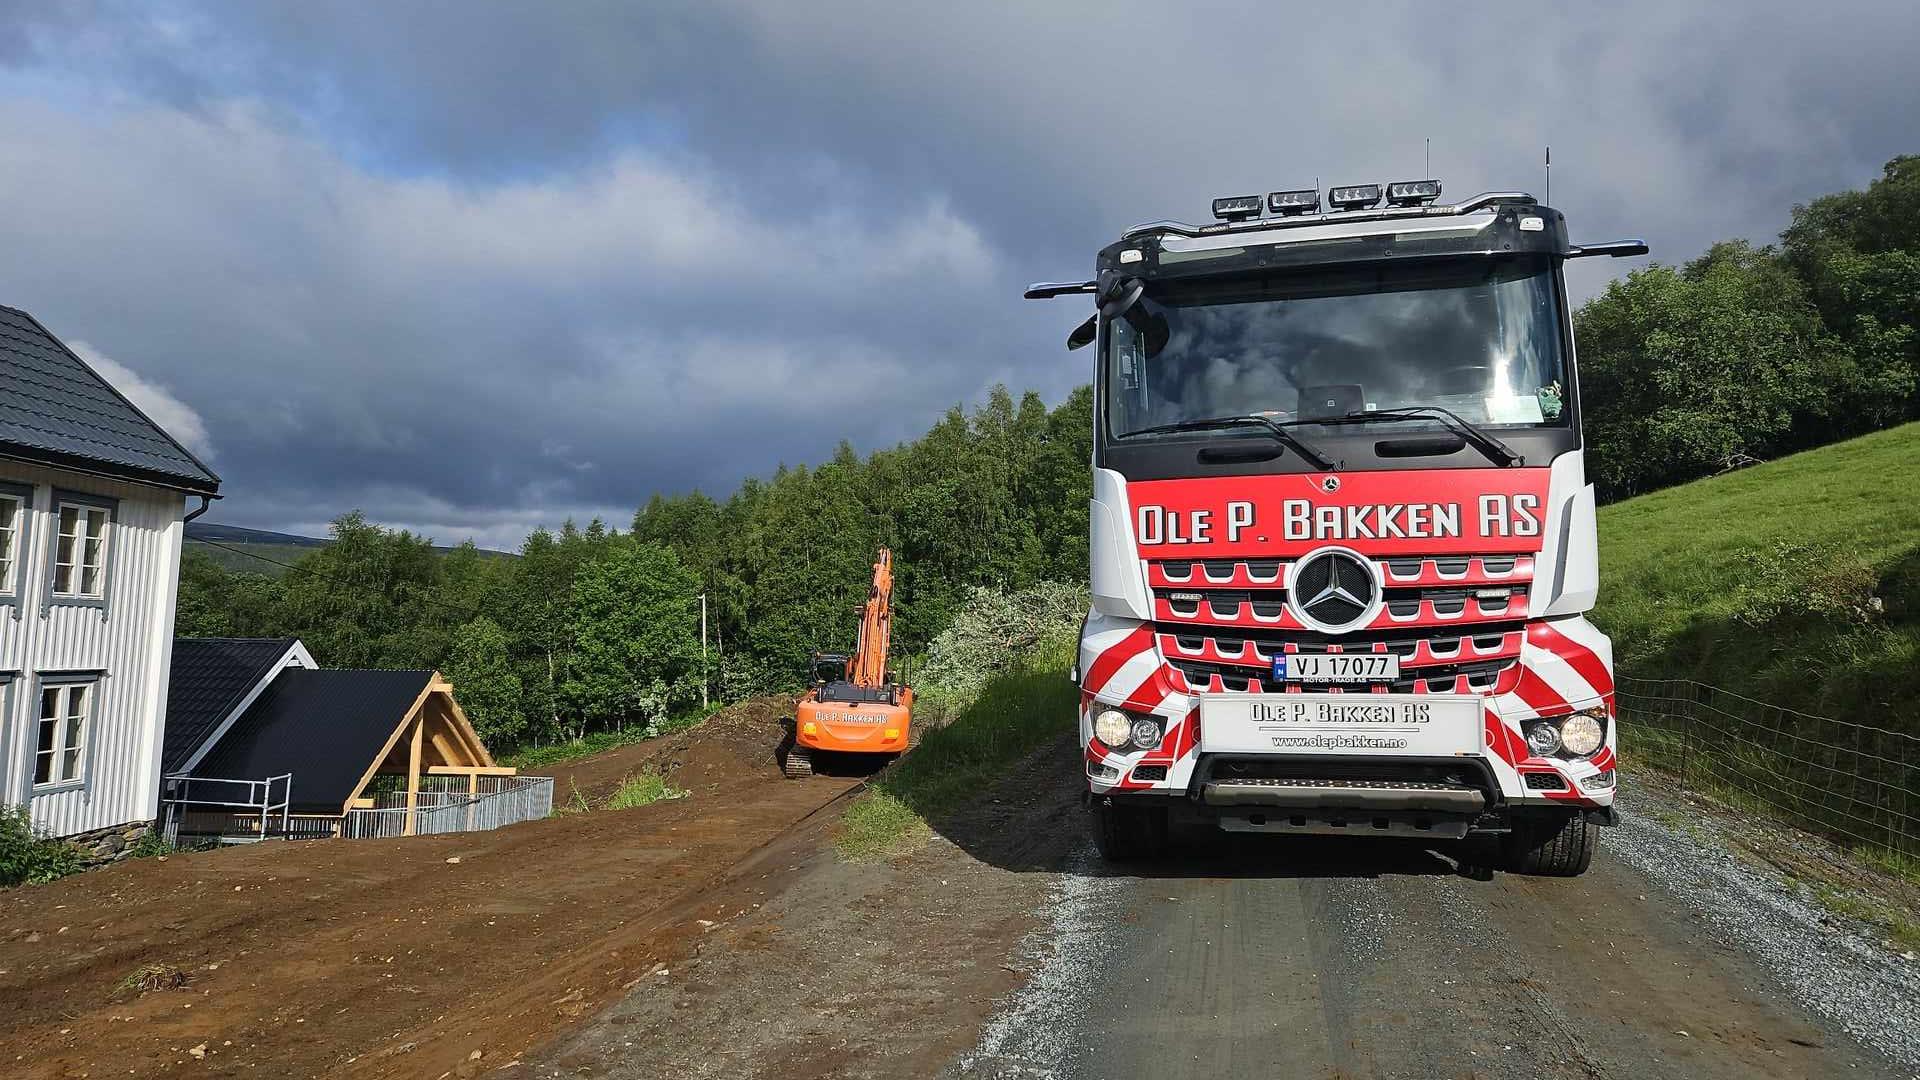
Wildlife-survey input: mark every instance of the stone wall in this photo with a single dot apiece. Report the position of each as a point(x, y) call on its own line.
point(103, 846)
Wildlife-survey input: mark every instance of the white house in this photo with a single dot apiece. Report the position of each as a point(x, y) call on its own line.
point(93, 497)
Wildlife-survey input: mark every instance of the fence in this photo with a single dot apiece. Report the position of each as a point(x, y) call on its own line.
point(444, 805)
point(1854, 782)
point(230, 811)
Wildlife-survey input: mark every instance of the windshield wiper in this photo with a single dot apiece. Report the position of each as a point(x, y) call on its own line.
point(1495, 450)
point(1277, 428)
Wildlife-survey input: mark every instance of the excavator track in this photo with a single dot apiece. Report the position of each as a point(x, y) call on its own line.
point(797, 764)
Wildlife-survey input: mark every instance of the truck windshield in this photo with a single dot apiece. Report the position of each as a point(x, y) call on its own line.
point(1481, 338)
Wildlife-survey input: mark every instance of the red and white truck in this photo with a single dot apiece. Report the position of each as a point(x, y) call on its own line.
point(1342, 541)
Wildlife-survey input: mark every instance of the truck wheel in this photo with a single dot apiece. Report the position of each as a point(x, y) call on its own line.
point(1551, 847)
point(797, 764)
point(1124, 832)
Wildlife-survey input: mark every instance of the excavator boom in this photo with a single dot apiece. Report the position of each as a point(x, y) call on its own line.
point(869, 667)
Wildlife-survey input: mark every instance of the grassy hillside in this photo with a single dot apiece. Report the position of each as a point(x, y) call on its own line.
point(1759, 580)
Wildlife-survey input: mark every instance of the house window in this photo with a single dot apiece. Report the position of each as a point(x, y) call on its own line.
point(13, 519)
point(60, 750)
point(80, 552)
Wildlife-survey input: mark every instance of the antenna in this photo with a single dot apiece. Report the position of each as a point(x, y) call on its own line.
point(1548, 198)
point(1429, 169)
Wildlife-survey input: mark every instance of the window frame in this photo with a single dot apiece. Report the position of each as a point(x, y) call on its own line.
point(65, 682)
point(14, 577)
point(110, 544)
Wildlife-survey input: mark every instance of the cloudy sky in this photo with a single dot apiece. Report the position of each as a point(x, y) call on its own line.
point(474, 267)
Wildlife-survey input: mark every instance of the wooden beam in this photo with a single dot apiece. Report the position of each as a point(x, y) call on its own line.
point(472, 770)
point(413, 772)
point(459, 716)
point(393, 741)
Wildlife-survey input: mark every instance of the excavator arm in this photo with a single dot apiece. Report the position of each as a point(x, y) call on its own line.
point(869, 666)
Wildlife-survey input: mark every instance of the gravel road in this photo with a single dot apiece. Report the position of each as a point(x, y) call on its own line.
point(1265, 958)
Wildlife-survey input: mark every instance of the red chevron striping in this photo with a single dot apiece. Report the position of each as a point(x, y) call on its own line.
point(1110, 661)
point(1539, 696)
point(1577, 656)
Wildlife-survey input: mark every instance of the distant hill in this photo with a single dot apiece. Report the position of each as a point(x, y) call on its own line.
point(260, 551)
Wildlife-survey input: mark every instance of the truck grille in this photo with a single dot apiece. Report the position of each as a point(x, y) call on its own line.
point(1456, 622)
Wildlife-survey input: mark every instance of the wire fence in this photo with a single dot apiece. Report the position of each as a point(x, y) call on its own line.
point(502, 800)
point(1854, 782)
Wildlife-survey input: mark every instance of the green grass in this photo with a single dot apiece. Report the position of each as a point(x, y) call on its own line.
point(1901, 930)
point(644, 789)
point(1015, 713)
point(1714, 580)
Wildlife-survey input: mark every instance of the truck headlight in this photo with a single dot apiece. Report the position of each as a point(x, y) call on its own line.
point(1146, 733)
point(1542, 738)
point(1113, 728)
point(1583, 733)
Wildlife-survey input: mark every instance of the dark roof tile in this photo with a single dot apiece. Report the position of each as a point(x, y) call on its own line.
point(325, 727)
point(208, 678)
point(55, 408)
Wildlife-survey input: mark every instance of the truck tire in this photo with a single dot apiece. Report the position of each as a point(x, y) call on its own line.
point(1551, 847)
point(1124, 832)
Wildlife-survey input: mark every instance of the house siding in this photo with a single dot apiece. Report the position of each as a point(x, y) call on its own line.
point(129, 642)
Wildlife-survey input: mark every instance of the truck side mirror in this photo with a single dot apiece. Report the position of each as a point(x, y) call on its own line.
point(1084, 334)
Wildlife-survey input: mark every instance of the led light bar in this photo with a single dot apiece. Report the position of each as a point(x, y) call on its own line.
point(1413, 192)
point(1353, 196)
point(1236, 207)
point(1293, 202)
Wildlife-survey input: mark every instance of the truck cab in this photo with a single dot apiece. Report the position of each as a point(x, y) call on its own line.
point(1341, 539)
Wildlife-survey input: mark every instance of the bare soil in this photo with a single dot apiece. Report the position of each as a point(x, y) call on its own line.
point(415, 957)
point(854, 969)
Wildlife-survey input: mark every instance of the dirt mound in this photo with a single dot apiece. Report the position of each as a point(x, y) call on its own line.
point(738, 742)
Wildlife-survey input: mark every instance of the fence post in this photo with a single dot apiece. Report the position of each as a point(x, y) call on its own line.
point(1688, 721)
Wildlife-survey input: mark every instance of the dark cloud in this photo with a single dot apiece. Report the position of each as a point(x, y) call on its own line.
point(473, 267)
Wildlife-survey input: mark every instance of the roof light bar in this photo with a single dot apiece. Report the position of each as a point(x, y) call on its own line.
point(1353, 196)
point(1294, 202)
point(1236, 207)
point(1413, 192)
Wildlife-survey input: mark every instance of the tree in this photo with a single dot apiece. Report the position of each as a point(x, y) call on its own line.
point(1859, 254)
point(485, 683)
point(367, 599)
point(1684, 371)
point(635, 635)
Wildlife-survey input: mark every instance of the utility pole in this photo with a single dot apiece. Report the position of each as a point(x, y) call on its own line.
point(703, 650)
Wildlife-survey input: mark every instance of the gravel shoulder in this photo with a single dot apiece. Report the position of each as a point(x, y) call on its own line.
point(1759, 887)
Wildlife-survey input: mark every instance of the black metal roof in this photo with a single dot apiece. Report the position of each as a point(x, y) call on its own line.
point(208, 678)
point(326, 727)
point(56, 410)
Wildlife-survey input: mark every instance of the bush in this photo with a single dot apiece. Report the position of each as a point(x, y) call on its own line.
point(996, 632)
point(643, 790)
point(29, 857)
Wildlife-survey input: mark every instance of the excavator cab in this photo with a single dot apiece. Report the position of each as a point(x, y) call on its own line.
point(827, 668)
point(854, 705)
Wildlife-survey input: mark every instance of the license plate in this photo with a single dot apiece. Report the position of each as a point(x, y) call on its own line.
point(1419, 725)
point(1356, 667)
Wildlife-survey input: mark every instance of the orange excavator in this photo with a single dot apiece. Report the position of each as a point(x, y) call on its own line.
point(855, 704)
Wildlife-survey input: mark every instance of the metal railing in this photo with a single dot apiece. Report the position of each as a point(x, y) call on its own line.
point(230, 811)
point(446, 807)
point(1857, 783)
